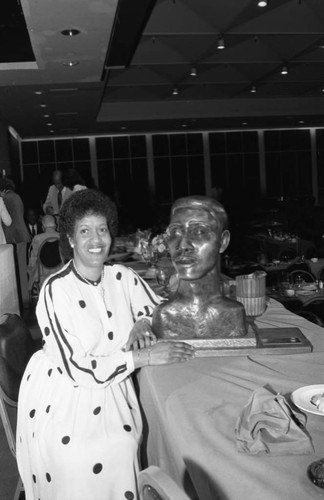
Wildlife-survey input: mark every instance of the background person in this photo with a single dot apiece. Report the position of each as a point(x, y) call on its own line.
point(79, 423)
point(49, 232)
point(17, 234)
point(56, 195)
point(4, 219)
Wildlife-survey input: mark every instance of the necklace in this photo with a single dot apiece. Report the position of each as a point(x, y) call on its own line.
point(90, 282)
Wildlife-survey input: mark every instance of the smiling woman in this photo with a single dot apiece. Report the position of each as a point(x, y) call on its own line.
point(79, 423)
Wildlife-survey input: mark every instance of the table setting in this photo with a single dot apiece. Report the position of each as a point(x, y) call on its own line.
point(194, 413)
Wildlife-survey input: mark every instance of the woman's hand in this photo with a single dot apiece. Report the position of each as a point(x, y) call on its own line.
point(164, 353)
point(141, 336)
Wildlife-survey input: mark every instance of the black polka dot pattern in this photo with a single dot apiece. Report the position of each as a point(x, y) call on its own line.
point(109, 314)
point(48, 477)
point(48, 408)
point(129, 495)
point(97, 410)
point(28, 377)
point(119, 276)
point(49, 373)
point(110, 335)
point(140, 314)
point(97, 468)
point(32, 413)
point(135, 281)
point(66, 439)
point(59, 370)
point(94, 364)
point(47, 331)
point(82, 304)
point(127, 428)
point(34, 478)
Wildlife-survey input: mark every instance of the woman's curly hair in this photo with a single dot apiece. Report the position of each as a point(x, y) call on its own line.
point(77, 206)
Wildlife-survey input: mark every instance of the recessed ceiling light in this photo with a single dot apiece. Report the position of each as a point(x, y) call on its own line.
point(123, 128)
point(284, 70)
point(253, 89)
point(51, 131)
point(49, 124)
point(244, 123)
point(193, 71)
point(46, 116)
point(184, 125)
point(175, 91)
point(301, 122)
point(262, 3)
point(70, 32)
point(70, 63)
point(43, 105)
point(38, 92)
point(221, 43)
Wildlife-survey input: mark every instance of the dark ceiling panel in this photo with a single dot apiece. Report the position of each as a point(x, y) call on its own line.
point(15, 44)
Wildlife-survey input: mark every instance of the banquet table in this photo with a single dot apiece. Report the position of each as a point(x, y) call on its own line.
point(273, 248)
point(190, 411)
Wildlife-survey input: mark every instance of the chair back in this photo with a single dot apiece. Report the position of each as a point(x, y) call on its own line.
point(16, 348)
point(316, 307)
point(299, 275)
point(48, 259)
point(154, 484)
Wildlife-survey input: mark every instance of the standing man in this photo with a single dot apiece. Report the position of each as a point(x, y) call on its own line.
point(17, 234)
point(56, 195)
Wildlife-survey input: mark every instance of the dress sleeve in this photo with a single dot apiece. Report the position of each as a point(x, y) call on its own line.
point(5, 216)
point(143, 298)
point(63, 344)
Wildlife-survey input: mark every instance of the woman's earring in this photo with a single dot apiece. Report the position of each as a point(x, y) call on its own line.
point(72, 246)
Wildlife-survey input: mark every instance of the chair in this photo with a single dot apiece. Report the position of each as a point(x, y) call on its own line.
point(310, 316)
point(48, 261)
point(16, 348)
point(154, 484)
point(316, 307)
point(302, 276)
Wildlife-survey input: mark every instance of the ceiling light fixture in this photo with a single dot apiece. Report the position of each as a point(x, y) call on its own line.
point(38, 92)
point(43, 105)
point(221, 43)
point(175, 91)
point(253, 89)
point(70, 63)
point(263, 3)
point(49, 124)
point(193, 71)
point(70, 32)
point(284, 70)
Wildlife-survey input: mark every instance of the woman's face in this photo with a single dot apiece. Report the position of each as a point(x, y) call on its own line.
point(91, 242)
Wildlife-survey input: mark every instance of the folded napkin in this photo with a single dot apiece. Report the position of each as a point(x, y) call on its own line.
point(268, 425)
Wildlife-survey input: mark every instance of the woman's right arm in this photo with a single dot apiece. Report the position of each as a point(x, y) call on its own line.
point(164, 352)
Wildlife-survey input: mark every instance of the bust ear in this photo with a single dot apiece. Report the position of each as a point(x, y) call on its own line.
point(225, 239)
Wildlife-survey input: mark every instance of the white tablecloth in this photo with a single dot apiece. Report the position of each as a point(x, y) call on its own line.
point(8, 284)
point(190, 412)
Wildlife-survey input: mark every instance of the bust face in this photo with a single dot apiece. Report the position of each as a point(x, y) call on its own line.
point(196, 239)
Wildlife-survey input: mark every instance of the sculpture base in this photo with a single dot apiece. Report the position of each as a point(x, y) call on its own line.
point(265, 341)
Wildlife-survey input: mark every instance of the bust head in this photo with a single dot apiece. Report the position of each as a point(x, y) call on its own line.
point(197, 235)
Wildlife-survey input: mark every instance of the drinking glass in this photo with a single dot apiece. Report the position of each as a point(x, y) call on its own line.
point(162, 277)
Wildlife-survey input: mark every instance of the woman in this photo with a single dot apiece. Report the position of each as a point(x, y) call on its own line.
point(4, 219)
point(79, 424)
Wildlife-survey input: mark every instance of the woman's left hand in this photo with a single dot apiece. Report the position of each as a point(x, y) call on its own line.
point(141, 335)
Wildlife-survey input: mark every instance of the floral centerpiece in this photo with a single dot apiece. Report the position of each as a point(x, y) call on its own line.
point(152, 249)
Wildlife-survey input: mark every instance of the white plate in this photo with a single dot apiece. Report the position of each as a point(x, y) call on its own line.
point(302, 398)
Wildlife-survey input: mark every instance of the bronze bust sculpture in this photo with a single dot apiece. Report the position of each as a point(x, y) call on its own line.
point(197, 236)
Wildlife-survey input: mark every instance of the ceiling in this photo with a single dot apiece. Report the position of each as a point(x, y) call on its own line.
point(117, 75)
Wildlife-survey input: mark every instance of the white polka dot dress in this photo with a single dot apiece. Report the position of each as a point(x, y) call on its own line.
point(79, 424)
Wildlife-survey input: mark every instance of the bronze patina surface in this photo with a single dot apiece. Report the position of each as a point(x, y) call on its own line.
point(197, 236)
